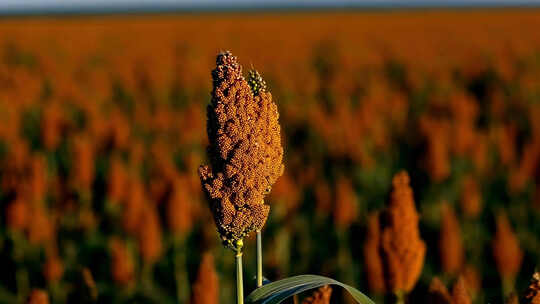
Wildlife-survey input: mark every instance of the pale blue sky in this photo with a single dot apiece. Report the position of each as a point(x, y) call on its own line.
point(21, 5)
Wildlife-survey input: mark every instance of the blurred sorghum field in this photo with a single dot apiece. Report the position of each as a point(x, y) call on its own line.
point(103, 127)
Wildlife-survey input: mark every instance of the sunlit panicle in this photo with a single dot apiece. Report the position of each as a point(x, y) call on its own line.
point(532, 295)
point(450, 243)
point(53, 268)
point(117, 180)
point(149, 235)
point(37, 179)
point(41, 226)
point(372, 256)
point(319, 296)
point(83, 164)
point(206, 287)
point(403, 249)
point(245, 152)
point(179, 209)
point(438, 293)
point(122, 267)
point(471, 198)
point(51, 126)
point(17, 215)
point(134, 207)
point(460, 293)
point(438, 152)
point(345, 209)
point(38, 296)
point(506, 249)
point(473, 280)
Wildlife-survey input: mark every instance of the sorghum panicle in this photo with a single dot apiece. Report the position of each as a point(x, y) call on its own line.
point(471, 198)
point(38, 296)
point(438, 293)
point(506, 249)
point(149, 235)
point(53, 268)
point(319, 296)
point(472, 279)
point(450, 243)
point(460, 293)
point(345, 210)
point(403, 249)
point(245, 151)
point(532, 295)
point(179, 210)
point(206, 287)
point(372, 256)
point(122, 266)
point(17, 215)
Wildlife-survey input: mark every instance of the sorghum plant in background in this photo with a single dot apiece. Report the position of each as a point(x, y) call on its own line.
point(403, 250)
point(507, 253)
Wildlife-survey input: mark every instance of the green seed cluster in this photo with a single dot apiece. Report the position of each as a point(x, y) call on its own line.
point(256, 82)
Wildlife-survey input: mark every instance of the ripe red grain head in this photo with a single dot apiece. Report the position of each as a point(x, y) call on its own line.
point(532, 295)
point(206, 287)
point(460, 293)
point(438, 293)
point(38, 296)
point(122, 266)
point(245, 151)
point(372, 256)
point(450, 244)
point(403, 249)
point(319, 296)
point(506, 248)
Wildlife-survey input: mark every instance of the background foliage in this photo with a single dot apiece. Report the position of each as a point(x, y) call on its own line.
point(102, 128)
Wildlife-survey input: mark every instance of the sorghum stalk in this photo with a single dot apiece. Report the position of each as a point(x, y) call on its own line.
point(400, 297)
point(508, 286)
point(182, 289)
point(259, 259)
point(22, 282)
point(239, 276)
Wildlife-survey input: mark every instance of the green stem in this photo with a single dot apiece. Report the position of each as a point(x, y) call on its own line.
point(507, 286)
point(259, 259)
point(400, 297)
point(23, 285)
point(239, 278)
point(180, 273)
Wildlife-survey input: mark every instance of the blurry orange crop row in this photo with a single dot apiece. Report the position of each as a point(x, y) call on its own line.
point(103, 127)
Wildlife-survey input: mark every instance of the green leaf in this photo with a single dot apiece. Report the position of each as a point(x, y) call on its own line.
point(276, 292)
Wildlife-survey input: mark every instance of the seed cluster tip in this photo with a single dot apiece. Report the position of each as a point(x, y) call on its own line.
point(532, 295)
point(256, 82)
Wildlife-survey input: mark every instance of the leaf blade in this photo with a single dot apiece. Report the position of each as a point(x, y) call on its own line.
point(276, 292)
